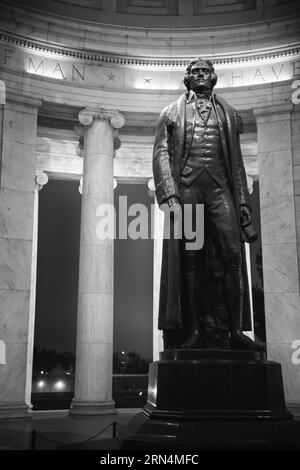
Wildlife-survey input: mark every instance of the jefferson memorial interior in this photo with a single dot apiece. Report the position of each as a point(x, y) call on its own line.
point(82, 85)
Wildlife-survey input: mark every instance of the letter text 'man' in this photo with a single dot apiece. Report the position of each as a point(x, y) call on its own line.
point(40, 68)
point(78, 74)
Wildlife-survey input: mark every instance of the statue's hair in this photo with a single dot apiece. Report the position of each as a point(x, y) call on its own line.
point(186, 79)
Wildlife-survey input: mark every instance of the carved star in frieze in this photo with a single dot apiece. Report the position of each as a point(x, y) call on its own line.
point(111, 77)
point(147, 80)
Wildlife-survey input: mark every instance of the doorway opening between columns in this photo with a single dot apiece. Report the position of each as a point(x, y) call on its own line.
point(56, 300)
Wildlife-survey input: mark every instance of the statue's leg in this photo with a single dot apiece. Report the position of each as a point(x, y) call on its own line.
point(191, 300)
point(225, 232)
point(234, 294)
point(190, 279)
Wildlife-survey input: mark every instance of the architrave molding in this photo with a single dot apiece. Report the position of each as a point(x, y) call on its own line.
point(282, 52)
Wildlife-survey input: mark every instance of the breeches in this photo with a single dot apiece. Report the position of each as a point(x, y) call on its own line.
point(220, 217)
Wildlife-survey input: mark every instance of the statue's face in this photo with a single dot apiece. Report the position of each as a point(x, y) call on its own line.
point(200, 77)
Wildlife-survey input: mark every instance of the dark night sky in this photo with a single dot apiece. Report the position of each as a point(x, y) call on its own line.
point(133, 286)
point(57, 266)
point(57, 276)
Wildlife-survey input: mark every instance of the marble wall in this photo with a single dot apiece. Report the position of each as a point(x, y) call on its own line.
point(296, 172)
point(279, 240)
point(16, 235)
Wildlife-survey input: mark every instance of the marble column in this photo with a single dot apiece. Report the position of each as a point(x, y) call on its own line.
point(17, 276)
point(279, 244)
point(41, 179)
point(93, 379)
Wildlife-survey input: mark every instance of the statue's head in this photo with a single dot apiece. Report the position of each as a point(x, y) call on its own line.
point(200, 75)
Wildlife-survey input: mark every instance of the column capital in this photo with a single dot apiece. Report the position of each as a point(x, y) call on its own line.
point(41, 179)
point(87, 115)
point(285, 108)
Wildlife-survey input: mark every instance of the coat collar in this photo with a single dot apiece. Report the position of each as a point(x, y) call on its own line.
point(191, 96)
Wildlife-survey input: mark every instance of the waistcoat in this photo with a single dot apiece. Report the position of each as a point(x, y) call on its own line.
point(205, 152)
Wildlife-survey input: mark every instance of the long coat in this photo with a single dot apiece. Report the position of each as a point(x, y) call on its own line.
point(169, 155)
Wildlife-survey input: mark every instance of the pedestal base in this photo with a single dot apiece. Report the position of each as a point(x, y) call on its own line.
point(214, 399)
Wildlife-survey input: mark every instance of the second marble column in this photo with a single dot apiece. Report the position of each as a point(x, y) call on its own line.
point(93, 379)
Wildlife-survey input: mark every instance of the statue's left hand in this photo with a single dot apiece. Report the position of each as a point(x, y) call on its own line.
point(245, 214)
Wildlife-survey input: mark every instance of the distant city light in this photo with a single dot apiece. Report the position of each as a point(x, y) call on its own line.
point(41, 384)
point(123, 352)
point(140, 394)
point(60, 385)
point(42, 372)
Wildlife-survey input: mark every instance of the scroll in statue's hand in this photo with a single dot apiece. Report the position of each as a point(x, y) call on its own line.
point(249, 233)
point(245, 214)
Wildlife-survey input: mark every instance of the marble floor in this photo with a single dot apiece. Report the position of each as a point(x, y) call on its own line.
point(48, 429)
point(52, 430)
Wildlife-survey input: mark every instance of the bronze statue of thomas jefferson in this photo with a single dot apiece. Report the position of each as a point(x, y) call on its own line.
point(197, 160)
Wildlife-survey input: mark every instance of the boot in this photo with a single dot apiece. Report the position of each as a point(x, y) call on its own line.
point(235, 295)
point(191, 289)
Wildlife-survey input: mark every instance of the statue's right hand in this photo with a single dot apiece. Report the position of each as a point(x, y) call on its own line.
point(173, 201)
point(172, 204)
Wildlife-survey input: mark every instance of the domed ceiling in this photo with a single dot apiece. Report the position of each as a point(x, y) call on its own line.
point(167, 13)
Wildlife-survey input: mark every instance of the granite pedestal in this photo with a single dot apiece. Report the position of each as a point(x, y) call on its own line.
point(208, 399)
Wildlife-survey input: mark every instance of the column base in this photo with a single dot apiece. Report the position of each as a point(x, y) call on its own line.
point(92, 408)
point(294, 408)
point(15, 411)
